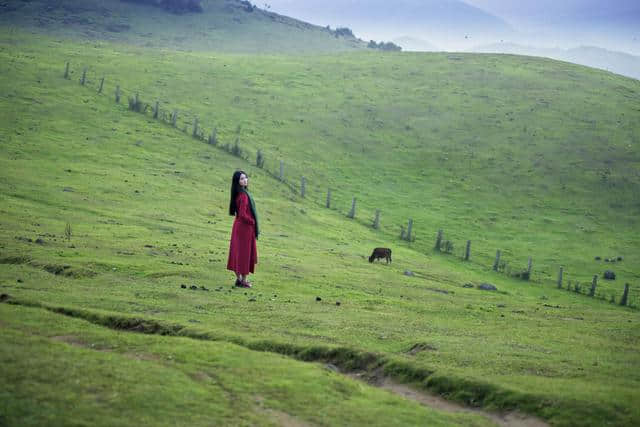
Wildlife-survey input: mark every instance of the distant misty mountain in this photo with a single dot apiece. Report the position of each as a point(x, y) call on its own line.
point(408, 43)
point(443, 22)
point(596, 57)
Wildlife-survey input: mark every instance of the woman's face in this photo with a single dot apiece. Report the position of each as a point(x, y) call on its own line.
point(243, 180)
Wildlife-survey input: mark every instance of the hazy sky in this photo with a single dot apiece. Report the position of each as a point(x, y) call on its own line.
point(612, 24)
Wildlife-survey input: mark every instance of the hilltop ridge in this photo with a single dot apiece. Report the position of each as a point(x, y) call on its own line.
point(223, 26)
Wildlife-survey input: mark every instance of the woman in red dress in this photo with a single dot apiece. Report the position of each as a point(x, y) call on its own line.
point(243, 253)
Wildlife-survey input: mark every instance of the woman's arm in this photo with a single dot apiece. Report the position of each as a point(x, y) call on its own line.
point(244, 211)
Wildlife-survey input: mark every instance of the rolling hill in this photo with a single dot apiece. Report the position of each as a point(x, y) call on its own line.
point(616, 62)
point(450, 24)
point(223, 25)
point(113, 224)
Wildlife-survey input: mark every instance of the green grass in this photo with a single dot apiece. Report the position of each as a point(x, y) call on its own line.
point(103, 377)
point(147, 207)
point(223, 26)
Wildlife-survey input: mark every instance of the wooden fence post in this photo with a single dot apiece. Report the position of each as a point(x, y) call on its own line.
point(560, 278)
point(328, 198)
point(84, 76)
point(438, 240)
point(625, 295)
point(409, 228)
point(594, 283)
point(376, 220)
point(156, 110)
point(118, 94)
point(496, 263)
point(352, 213)
point(302, 186)
point(101, 84)
point(281, 177)
point(529, 267)
point(195, 128)
point(66, 71)
point(467, 251)
point(174, 118)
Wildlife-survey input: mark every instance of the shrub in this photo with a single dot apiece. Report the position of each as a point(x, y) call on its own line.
point(388, 46)
point(344, 32)
point(173, 6)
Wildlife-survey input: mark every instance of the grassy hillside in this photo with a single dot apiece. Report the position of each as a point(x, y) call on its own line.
point(147, 207)
point(223, 25)
point(530, 156)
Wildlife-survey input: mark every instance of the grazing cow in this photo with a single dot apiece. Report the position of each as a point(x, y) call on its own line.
point(381, 253)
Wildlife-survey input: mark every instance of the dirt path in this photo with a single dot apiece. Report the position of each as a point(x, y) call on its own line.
point(509, 419)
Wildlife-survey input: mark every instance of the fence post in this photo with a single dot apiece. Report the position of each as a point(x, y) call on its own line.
point(376, 220)
point(496, 263)
point(594, 283)
point(118, 94)
point(529, 266)
point(66, 71)
point(560, 278)
point(195, 128)
point(352, 213)
point(328, 198)
point(438, 240)
point(259, 159)
point(156, 110)
point(409, 227)
point(467, 252)
point(174, 118)
point(84, 76)
point(625, 295)
point(281, 177)
point(302, 186)
point(101, 84)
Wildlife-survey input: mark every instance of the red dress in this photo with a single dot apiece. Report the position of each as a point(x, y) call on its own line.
point(243, 253)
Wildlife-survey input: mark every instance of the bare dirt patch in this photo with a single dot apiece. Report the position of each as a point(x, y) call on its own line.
point(509, 419)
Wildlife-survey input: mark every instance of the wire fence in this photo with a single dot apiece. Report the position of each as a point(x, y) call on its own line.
point(291, 175)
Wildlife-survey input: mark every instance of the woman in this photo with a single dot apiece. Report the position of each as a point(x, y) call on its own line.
point(243, 254)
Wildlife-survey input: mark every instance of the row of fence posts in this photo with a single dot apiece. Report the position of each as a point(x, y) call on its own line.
point(407, 235)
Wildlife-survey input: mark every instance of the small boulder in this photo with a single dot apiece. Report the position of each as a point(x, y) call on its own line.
point(609, 275)
point(487, 287)
point(409, 273)
point(193, 287)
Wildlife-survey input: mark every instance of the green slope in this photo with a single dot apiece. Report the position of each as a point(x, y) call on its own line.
point(147, 203)
point(223, 25)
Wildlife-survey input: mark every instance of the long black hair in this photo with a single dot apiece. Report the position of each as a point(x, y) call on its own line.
point(235, 190)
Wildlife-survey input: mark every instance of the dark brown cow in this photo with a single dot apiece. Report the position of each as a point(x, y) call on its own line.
point(381, 253)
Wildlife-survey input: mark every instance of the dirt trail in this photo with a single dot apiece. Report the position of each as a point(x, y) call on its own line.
point(509, 419)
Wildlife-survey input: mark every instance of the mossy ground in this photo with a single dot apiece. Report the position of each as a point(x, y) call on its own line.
point(147, 207)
